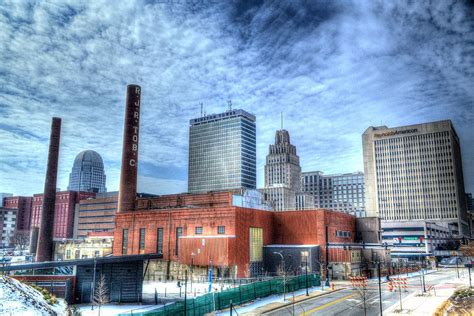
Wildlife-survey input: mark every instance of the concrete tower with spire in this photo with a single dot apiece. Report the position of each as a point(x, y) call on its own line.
point(283, 175)
point(282, 166)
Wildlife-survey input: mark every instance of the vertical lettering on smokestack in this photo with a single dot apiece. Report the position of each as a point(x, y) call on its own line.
point(45, 235)
point(129, 170)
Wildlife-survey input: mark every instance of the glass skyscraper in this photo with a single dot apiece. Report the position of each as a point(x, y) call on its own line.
point(222, 152)
point(87, 173)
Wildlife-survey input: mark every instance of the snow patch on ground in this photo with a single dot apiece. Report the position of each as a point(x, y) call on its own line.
point(171, 289)
point(18, 298)
point(114, 309)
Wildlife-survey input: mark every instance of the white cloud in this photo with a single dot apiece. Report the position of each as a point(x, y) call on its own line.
point(333, 68)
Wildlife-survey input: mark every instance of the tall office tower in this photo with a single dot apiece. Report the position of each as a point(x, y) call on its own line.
point(87, 173)
point(283, 176)
point(283, 164)
point(415, 173)
point(222, 152)
point(341, 192)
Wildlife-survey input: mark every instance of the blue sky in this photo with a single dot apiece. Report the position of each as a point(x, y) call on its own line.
point(333, 67)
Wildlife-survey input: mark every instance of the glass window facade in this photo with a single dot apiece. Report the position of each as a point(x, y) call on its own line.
point(222, 152)
point(87, 173)
point(256, 244)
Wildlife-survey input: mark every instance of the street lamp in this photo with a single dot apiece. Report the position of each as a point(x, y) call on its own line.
point(284, 272)
point(93, 284)
point(192, 269)
point(306, 275)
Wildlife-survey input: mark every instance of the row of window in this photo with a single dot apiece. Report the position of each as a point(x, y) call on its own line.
point(344, 234)
point(159, 238)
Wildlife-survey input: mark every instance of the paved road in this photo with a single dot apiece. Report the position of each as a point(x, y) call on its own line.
point(351, 302)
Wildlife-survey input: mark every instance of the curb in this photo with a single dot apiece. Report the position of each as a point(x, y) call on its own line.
point(302, 300)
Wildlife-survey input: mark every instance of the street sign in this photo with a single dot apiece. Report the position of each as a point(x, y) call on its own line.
point(468, 265)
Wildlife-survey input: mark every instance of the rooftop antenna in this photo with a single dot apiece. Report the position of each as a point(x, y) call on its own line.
point(202, 110)
point(281, 114)
point(229, 105)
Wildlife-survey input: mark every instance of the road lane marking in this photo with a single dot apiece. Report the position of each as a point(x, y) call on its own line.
point(327, 304)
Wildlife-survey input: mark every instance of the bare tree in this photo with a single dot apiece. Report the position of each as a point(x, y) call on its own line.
point(20, 239)
point(467, 250)
point(101, 295)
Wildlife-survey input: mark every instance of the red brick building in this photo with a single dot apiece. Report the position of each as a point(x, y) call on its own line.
point(64, 211)
point(23, 206)
point(192, 229)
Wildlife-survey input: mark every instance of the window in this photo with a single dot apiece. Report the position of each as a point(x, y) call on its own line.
point(256, 244)
point(198, 230)
point(96, 253)
point(179, 233)
point(124, 241)
point(159, 240)
point(304, 256)
point(221, 230)
point(68, 254)
point(141, 241)
point(77, 254)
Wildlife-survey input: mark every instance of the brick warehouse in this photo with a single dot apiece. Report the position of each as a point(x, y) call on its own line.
point(63, 212)
point(194, 228)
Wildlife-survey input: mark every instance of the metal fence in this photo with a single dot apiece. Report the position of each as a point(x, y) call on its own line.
point(242, 294)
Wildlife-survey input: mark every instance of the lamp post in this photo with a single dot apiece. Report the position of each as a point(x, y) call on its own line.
point(327, 256)
point(93, 284)
point(284, 272)
point(379, 274)
point(192, 269)
point(306, 276)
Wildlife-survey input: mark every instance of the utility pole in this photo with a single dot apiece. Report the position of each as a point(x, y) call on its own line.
point(327, 256)
point(380, 287)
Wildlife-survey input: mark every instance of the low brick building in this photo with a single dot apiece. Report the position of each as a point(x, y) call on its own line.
point(232, 237)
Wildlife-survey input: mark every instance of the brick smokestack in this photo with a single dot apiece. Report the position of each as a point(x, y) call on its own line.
point(45, 235)
point(128, 173)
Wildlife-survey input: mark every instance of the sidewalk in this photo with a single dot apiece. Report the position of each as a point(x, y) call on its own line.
point(427, 304)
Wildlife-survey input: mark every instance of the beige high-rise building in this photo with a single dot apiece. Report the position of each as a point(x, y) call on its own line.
point(415, 173)
point(283, 176)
